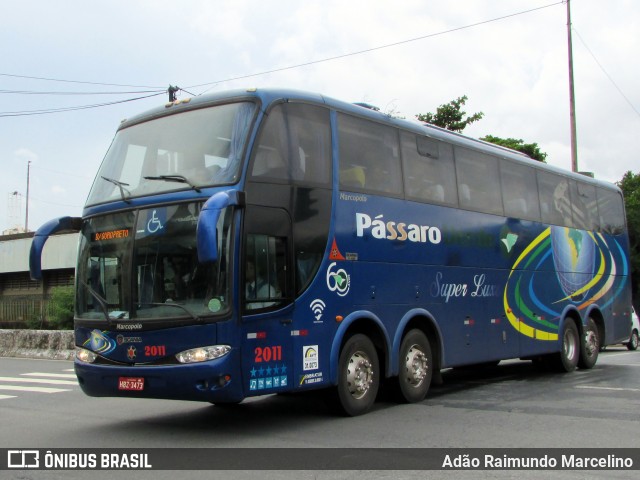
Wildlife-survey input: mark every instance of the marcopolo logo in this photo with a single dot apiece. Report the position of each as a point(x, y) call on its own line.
point(391, 230)
point(338, 281)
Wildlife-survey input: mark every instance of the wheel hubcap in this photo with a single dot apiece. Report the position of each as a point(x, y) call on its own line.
point(416, 366)
point(569, 345)
point(359, 375)
point(591, 342)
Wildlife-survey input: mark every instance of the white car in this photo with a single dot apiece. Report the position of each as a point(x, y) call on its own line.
point(632, 344)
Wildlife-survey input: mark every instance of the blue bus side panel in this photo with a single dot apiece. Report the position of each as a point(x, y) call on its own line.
point(497, 287)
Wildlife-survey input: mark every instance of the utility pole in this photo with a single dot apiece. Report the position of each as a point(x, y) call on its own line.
point(26, 217)
point(572, 98)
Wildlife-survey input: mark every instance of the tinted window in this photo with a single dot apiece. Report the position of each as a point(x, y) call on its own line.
point(369, 156)
point(520, 191)
point(611, 211)
point(294, 146)
point(478, 184)
point(429, 171)
point(555, 199)
point(267, 275)
point(585, 206)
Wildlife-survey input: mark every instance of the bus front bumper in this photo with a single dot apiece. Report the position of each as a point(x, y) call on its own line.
point(211, 381)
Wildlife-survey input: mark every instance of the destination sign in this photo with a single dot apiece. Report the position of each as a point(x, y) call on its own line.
point(110, 235)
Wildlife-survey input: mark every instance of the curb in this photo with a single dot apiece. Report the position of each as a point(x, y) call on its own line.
point(45, 344)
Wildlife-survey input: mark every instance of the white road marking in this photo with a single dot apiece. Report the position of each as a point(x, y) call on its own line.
point(48, 381)
point(21, 388)
point(616, 389)
point(52, 375)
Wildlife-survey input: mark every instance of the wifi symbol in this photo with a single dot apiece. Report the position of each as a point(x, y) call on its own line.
point(317, 307)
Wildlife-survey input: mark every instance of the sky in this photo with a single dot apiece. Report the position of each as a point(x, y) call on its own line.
point(509, 57)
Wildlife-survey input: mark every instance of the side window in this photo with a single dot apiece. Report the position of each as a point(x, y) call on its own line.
point(265, 271)
point(294, 146)
point(584, 206)
point(519, 191)
point(611, 211)
point(429, 172)
point(369, 156)
point(555, 200)
point(267, 280)
point(477, 187)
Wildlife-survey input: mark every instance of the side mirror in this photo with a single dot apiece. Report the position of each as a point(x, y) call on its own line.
point(207, 233)
point(70, 224)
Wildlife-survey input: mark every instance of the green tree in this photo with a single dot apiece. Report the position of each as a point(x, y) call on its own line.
point(630, 185)
point(530, 149)
point(450, 116)
point(61, 308)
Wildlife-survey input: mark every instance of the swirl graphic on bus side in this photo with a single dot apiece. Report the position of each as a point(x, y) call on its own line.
point(338, 281)
point(586, 267)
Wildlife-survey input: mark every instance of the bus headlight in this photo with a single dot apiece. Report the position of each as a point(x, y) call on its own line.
point(202, 354)
point(86, 356)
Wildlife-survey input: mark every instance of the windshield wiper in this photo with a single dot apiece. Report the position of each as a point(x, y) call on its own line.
point(101, 301)
point(175, 178)
point(181, 307)
point(121, 186)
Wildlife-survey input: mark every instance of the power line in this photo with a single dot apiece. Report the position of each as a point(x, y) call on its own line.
point(66, 174)
point(607, 74)
point(34, 92)
point(372, 49)
point(49, 202)
point(290, 67)
point(69, 109)
point(77, 81)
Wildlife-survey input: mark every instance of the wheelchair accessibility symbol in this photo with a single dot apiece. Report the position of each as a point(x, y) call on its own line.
point(154, 224)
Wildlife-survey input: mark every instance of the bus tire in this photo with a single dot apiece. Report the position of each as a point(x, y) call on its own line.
point(567, 359)
point(415, 367)
point(589, 345)
point(633, 341)
point(358, 375)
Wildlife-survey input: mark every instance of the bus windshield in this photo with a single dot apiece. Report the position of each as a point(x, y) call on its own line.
point(182, 151)
point(144, 265)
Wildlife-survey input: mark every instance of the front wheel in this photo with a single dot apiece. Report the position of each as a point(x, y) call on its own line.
point(415, 367)
point(633, 341)
point(589, 345)
point(358, 375)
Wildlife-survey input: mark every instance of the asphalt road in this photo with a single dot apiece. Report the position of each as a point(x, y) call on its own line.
point(511, 405)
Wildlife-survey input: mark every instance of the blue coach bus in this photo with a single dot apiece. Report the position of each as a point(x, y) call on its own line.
point(264, 241)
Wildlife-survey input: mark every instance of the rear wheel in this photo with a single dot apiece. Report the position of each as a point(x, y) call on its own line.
point(633, 341)
point(415, 368)
point(358, 375)
point(567, 358)
point(589, 345)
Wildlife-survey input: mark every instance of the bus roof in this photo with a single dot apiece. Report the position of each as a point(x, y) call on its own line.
point(266, 96)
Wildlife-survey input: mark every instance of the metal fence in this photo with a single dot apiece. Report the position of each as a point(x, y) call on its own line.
point(24, 312)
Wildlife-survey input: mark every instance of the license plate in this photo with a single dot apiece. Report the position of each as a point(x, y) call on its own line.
point(131, 383)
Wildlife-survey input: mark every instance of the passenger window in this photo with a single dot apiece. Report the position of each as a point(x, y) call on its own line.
point(369, 156)
point(555, 199)
point(294, 146)
point(611, 211)
point(429, 173)
point(477, 187)
point(584, 206)
point(520, 191)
